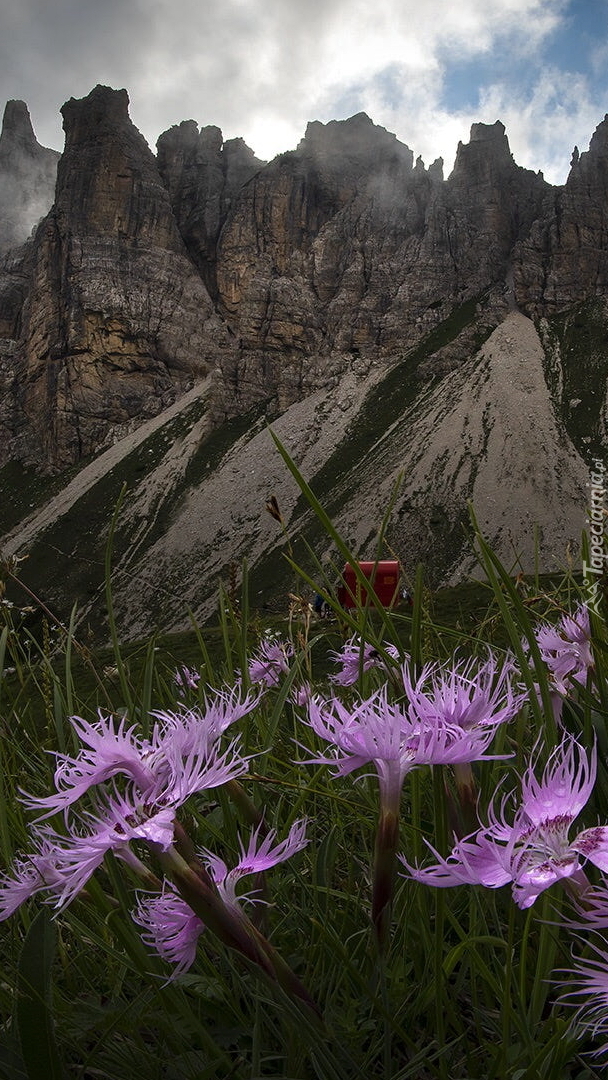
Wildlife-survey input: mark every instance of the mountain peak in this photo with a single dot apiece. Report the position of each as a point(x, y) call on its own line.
point(102, 111)
point(487, 149)
point(17, 131)
point(355, 138)
point(27, 176)
point(489, 133)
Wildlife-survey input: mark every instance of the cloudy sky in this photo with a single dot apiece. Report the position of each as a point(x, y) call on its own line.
point(261, 69)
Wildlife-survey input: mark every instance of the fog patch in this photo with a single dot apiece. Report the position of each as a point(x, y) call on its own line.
point(27, 177)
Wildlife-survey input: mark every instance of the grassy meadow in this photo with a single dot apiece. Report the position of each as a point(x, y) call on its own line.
point(263, 953)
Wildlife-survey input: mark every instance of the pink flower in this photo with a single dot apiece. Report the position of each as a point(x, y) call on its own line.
point(62, 863)
point(109, 748)
point(301, 695)
point(181, 757)
point(589, 978)
point(31, 874)
point(171, 926)
point(270, 662)
point(533, 850)
point(186, 678)
point(357, 656)
point(258, 856)
point(566, 649)
point(467, 694)
point(394, 738)
point(592, 909)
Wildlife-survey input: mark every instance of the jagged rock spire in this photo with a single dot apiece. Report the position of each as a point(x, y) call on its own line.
point(27, 176)
point(17, 131)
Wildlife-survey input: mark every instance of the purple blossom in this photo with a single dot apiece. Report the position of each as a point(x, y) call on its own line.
point(258, 856)
point(184, 755)
point(62, 863)
point(587, 990)
point(357, 656)
point(110, 748)
point(31, 874)
point(467, 694)
point(592, 909)
point(220, 711)
point(187, 678)
point(533, 850)
point(566, 649)
point(477, 860)
point(171, 926)
point(270, 662)
point(181, 757)
point(301, 695)
point(394, 738)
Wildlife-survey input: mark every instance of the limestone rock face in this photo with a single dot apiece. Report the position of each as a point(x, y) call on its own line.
point(343, 255)
point(491, 204)
point(202, 174)
point(290, 239)
point(27, 177)
point(115, 320)
point(564, 259)
point(344, 248)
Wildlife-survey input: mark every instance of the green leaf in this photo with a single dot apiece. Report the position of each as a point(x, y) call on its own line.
point(34, 1009)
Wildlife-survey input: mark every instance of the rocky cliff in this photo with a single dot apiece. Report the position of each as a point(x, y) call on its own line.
point(562, 258)
point(106, 318)
point(343, 285)
point(27, 177)
point(203, 175)
point(150, 271)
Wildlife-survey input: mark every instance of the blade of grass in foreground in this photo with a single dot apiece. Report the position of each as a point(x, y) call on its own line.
point(34, 990)
point(519, 628)
point(118, 660)
point(334, 535)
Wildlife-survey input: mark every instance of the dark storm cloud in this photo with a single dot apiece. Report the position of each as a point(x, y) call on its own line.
point(52, 51)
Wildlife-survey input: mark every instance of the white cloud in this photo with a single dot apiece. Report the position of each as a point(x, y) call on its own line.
point(544, 126)
point(262, 69)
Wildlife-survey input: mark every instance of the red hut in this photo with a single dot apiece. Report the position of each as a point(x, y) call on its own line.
point(383, 576)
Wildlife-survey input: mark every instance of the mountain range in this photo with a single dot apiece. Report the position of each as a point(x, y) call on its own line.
point(416, 342)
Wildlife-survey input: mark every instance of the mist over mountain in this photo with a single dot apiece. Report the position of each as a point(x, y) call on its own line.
point(387, 321)
point(27, 176)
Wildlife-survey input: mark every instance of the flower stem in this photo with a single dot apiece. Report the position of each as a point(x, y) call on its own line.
point(467, 798)
point(234, 929)
point(245, 805)
point(383, 882)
